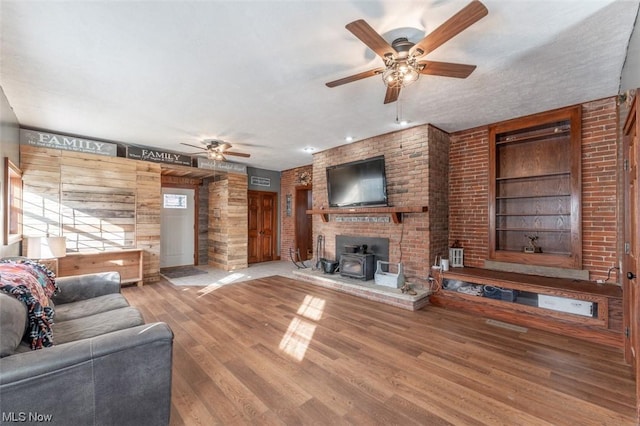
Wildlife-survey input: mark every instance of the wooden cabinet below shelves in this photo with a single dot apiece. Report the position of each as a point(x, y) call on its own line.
point(128, 262)
point(603, 326)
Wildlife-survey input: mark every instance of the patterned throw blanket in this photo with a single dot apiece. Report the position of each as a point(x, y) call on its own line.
point(32, 284)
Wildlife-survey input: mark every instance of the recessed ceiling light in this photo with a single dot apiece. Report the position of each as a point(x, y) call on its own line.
point(349, 139)
point(403, 122)
point(309, 149)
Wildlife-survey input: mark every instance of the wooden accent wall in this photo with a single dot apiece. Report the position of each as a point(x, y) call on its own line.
point(203, 222)
point(228, 215)
point(97, 202)
point(148, 204)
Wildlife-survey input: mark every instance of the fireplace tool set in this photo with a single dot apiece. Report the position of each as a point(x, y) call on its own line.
point(296, 258)
point(319, 251)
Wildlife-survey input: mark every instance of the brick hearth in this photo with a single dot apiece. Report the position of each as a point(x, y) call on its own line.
point(366, 289)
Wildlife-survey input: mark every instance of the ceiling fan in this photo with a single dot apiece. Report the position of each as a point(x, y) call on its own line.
point(402, 66)
point(217, 149)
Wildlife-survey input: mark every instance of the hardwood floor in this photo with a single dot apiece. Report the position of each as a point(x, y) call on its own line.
point(279, 351)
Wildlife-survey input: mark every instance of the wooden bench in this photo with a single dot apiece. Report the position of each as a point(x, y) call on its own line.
point(604, 327)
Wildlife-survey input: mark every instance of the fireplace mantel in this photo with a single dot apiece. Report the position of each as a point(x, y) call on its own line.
point(395, 212)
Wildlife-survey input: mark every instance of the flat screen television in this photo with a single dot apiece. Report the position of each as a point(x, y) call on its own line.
point(359, 183)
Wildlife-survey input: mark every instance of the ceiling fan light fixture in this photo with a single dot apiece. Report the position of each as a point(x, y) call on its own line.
point(215, 155)
point(401, 72)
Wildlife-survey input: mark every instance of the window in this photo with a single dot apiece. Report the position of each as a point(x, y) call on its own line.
point(175, 201)
point(12, 203)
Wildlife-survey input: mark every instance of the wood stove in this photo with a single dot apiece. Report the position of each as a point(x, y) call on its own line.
point(357, 265)
point(357, 255)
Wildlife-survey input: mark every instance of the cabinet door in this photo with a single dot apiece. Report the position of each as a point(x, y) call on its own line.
point(535, 190)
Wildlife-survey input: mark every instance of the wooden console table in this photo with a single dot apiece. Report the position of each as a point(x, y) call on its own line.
point(128, 262)
point(604, 327)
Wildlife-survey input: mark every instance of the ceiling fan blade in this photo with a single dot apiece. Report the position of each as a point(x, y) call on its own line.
point(237, 154)
point(466, 17)
point(355, 77)
point(392, 94)
point(446, 69)
point(193, 146)
point(371, 38)
point(223, 146)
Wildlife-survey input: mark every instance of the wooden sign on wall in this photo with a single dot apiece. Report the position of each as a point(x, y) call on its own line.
point(157, 156)
point(222, 166)
point(67, 143)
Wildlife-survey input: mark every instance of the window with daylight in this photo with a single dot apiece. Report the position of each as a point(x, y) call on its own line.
point(175, 201)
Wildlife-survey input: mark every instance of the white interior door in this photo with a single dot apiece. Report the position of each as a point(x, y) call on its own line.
point(177, 231)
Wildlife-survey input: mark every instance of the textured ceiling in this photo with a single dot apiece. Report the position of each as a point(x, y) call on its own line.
point(252, 72)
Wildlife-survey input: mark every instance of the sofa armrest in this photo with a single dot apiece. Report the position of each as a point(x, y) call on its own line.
point(120, 378)
point(88, 286)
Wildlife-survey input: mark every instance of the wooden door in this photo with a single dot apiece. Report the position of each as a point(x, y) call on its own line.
point(631, 262)
point(262, 226)
point(303, 229)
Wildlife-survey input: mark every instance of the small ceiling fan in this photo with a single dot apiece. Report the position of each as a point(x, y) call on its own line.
point(402, 66)
point(217, 149)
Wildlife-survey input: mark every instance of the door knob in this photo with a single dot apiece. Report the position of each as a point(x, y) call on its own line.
point(631, 275)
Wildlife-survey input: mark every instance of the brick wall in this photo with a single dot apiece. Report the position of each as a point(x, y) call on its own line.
point(468, 195)
point(438, 195)
point(411, 173)
point(599, 186)
point(289, 180)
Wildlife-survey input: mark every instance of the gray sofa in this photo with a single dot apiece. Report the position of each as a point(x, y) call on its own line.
point(107, 367)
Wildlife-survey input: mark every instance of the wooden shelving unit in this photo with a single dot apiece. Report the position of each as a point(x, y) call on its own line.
point(395, 212)
point(535, 189)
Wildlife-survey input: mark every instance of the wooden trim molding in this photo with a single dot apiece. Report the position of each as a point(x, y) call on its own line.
point(12, 203)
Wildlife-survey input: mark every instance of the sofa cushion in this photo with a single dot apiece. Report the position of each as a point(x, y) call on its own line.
point(13, 323)
point(97, 324)
point(88, 307)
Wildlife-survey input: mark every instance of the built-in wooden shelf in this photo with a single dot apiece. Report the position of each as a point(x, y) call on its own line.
point(395, 212)
point(604, 327)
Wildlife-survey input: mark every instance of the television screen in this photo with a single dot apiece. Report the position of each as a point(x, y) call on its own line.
point(360, 183)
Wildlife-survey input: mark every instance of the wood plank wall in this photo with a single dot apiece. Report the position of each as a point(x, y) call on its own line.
point(148, 204)
point(228, 230)
point(98, 203)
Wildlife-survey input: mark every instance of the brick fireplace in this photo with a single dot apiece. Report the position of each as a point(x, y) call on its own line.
point(417, 171)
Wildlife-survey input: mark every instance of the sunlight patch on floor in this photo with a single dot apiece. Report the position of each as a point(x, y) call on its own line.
point(300, 331)
point(208, 289)
point(297, 338)
point(312, 308)
point(221, 282)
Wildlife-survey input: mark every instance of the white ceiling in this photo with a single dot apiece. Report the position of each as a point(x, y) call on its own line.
point(252, 72)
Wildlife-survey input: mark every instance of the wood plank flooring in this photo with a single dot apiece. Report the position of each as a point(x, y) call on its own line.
point(278, 351)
